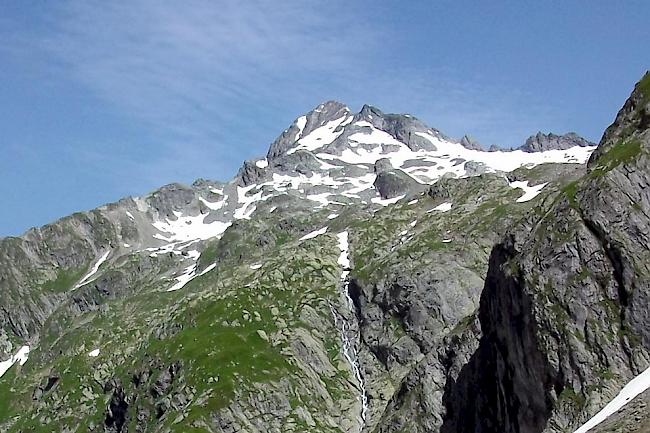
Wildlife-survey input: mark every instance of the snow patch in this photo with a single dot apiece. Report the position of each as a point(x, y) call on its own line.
point(508, 161)
point(214, 205)
point(93, 353)
point(530, 192)
point(313, 234)
point(300, 124)
point(183, 279)
point(387, 201)
point(262, 163)
point(635, 387)
point(320, 137)
point(255, 266)
point(208, 269)
point(247, 202)
point(188, 274)
point(344, 246)
point(443, 207)
point(320, 198)
point(20, 357)
point(93, 271)
point(186, 228)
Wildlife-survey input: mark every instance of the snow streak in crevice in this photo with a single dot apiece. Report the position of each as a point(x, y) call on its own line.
point(635, 387)
point(86, 279)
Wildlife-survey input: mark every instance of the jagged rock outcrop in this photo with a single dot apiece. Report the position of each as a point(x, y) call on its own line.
point(391, 183)
point(493, 148)
point(633, 117)
point(469, 143)
point(250, 173)
point(302, 126)
point(541, 142)
point(564, 311)
point(404, 128)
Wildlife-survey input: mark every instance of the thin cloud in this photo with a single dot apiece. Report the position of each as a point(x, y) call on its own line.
point(459, 104)
point(182, 69)
point(196, 75)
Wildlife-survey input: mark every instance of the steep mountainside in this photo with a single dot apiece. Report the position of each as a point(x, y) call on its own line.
point(347, 282)
point(564, 312)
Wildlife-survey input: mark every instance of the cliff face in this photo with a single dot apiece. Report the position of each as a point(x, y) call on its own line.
point(564, 310)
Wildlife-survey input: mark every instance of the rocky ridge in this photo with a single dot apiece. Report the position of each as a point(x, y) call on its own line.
point(210, 307)
point(541, 142)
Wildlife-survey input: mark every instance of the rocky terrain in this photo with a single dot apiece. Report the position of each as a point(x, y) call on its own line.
point(540, 142)
point(369, 274)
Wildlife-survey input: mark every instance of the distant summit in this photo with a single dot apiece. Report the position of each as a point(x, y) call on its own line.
point(469, 143)
point(541, 142)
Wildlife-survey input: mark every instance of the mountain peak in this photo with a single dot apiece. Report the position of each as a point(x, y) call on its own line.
point(368, 111)
point(330, 106)
point(305, 124)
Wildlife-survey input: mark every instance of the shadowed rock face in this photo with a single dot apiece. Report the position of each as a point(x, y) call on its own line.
point(503, 387)
point(564, 311)
point(393, 183)
point(541, 142)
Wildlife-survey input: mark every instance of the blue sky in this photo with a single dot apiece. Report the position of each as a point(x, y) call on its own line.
point(100, 100)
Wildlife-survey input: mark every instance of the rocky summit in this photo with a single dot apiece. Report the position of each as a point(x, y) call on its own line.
point(368, 275)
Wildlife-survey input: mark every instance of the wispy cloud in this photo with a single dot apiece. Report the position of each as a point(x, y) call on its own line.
point(184, 69)
point(458, 102)
point(204, 76)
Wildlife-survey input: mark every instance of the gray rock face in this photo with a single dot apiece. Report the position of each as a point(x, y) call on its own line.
point(383, 164)
point(403, 127)
point(250, 173)
point(473, 168)
point(541, 142)
point(300, 162)
point(469, 143)
point(417, 305)
point(39, 270)
point(634, 116)
point(393, 183)
point(319, 116)
point(564, 310)
point(171, 198)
